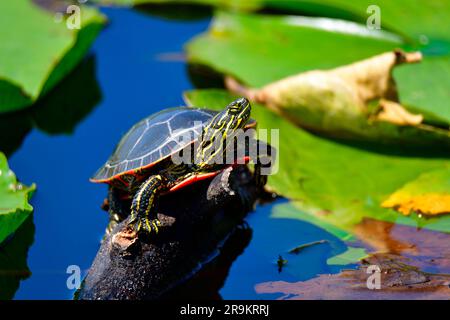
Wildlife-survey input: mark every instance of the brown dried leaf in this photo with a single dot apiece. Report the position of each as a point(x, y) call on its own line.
point(394, 112)
point(339, 101)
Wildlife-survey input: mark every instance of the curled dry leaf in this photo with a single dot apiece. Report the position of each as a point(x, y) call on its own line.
point(340, 101)
point(394, 112)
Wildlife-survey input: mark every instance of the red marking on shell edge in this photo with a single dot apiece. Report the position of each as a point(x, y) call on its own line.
point(183, 183)
point(204, 176)
point(193, 179)
point(128, 172)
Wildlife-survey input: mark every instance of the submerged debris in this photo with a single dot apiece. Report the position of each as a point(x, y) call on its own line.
point(398, 280)
point(297, 250)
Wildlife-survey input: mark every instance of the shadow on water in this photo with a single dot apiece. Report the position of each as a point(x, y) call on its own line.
point(13, 259)
point(58, 112)
point(177, 12)
point(206, 284)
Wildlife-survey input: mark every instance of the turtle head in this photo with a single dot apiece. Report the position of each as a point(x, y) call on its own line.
point(235, 116)
point(224, 125)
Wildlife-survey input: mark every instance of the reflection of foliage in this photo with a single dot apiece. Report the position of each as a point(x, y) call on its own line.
point(13, 259)
point(13, 129)
point(39, 53)
point(58, 112)
point(175, 12)
point(205, 284)
point(74, 98)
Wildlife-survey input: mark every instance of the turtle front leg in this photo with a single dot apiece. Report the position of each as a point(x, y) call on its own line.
point(143, 207)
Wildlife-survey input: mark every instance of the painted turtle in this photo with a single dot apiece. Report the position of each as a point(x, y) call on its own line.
point(142, 165)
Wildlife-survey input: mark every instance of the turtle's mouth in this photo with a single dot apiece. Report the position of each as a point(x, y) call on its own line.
point(251, 124)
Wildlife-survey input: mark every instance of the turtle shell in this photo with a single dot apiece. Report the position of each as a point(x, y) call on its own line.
point(152, 140)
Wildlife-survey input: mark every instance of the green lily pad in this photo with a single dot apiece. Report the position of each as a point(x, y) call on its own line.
point(40, 51)
point(14, 197)
point(260, 49)
point(241, 5)
point(337, 182)
point(423, 23)
point(426, 85)
point(351, 255)
point(420, 21)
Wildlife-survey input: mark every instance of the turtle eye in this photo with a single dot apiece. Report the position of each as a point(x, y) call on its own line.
point(234, 110)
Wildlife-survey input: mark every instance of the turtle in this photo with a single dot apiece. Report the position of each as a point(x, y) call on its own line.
point(142, 166)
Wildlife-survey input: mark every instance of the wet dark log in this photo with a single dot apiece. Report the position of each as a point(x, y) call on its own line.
point(197, 221)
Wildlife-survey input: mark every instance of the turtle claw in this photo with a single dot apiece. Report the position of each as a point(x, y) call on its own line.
point(145, 224)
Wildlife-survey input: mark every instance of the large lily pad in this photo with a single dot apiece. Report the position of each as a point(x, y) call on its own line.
point(425, 20)
point(40, 52)
point(338, 183)
point(14, 196)
point(259, 50)
point(419, 21)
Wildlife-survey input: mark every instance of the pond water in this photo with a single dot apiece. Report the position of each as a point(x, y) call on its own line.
point(139, 71)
